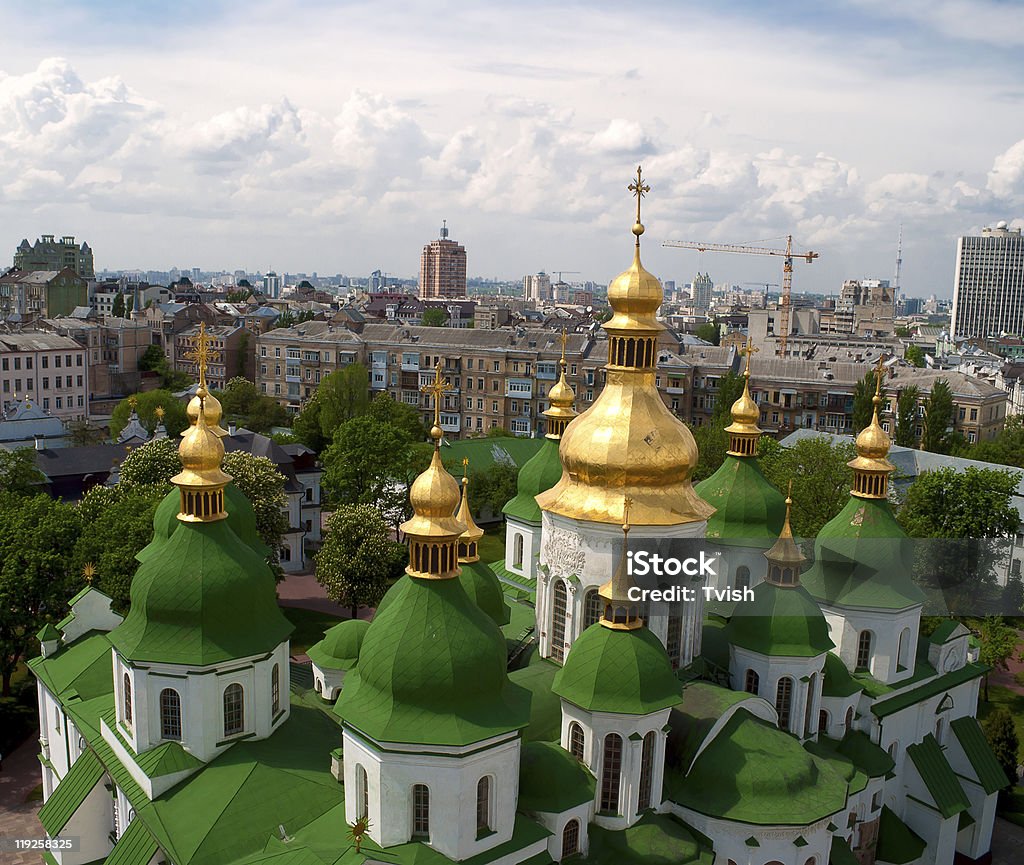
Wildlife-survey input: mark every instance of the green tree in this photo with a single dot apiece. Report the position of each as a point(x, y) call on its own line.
point(364, 463)
point(243, 353)
point(263, 485)
point(37, 539)
point(153, 360)
point(708, 332)
point(81, 432)
point(938, 418)
point(117, 308)
point(434, 317)
point(306, 425)
point(243, 404)
point(915, 355)
point(497, 432)
point(492, 488)
point(1007, 448)
point(1012, 600)
point(18, 472)
point(175, 419)
point(905, 433)
point(155, 462)
point(863, 407)
point(1001, 733)
point(903, 332)
point(343, 395)
point(358, 560)
point(403, 417)
point(998, 644)
point(821, 479)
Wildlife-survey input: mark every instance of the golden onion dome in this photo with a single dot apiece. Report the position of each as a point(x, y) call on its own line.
point(873, 443)
point(472, 531)
point(213, 410)
point(561, 394)
point(871, 468)
point(635, 294)
point(745, 412)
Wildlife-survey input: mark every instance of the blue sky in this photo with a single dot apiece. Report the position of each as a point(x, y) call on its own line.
point(335, 137)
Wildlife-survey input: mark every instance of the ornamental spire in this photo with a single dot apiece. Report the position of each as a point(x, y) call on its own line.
point(468, 551)
point(201, 480)
point(562, 399)
point(621, 613)
point(202, 356)
point(785, 557)
point(438, 387)
point(744, 432)
point(871, 468)
point(639, 190)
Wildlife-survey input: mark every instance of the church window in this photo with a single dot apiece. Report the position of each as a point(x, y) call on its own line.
point(571, 838)
point(420, 810)
point(783, 701)
point(56, 719)
point(893, 750)
point(483, 804)
point(576, 741)
point(752, 682)
point(849, 720)
point(864, 651)
point(234, 713)
point(127, 694)
point(939, 730)
point(558, 622)
point(903, 652)
point(823, 722)
point(362, 793)
point(170, 714)
point(611, 772)
point(275, 690)
point(674, 642)
point(517, 551)
point(591, 608)
point(742, 577)
point(646, 770)
point(810, 701)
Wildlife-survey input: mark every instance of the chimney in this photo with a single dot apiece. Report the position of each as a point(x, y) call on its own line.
point(232, 429)
point(40, 445)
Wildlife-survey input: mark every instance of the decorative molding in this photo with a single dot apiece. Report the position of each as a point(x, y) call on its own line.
point(564, 553)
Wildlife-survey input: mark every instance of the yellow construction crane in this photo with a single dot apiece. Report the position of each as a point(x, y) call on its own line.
point(787, 271)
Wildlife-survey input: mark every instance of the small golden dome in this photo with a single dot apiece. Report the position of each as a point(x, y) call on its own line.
point(873, 443)
point(635, 295)
point(870, 467)
point(472, 532)
point(201, 453)
point(214, 411)
point(745, 412)
point(561, 394)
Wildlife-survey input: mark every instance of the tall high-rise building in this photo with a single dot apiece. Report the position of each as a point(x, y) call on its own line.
point(47, 253)
point(443, 267)
point(988, 292)
point(272, 285)
point(702, 286)
point(537, 287)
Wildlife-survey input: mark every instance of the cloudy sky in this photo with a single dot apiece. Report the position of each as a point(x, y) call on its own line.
point(334, 137)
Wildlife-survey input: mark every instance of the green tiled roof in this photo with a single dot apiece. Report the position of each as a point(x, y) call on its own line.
point(610, 670)
point(485, 452)
point(865, 754)
point(48, 632)
point(484, 590)
point(837, 681)
point(135, 847)
point(551, 779)
point(897, 842)
point(119, 772)
point(166, 759)
point(702, 706)
point(84, 775)
point(841, 854)
point(545, 705)
point(827, 750)
point(862, 559)
point(506, 576)
point(540, 473)
point(207, 597)
point(339, 649)
point(781, 621)
point(83, 669)
point(655, 839)
point(943, 632)
point(432, 670)
point(752, 772)
point(747, 507)
point(903, 698)
point(938, 776)
point(972, 739)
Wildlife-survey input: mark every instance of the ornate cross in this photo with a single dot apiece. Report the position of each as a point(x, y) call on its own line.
point(438, 387)
point(627, 503)
point(748, 351)
point(879, 370)
point(465, 468)
point(639, 189)
point(201, 354)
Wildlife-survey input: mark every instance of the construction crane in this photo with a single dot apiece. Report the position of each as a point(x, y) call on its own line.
point(787, 271)
point(559, 273)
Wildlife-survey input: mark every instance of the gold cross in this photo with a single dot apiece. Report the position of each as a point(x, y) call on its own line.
point(627, 503)
point(639, 189)
point(159, 412)
point(565, 339)
point(438, 387)
point(201, 354)
point(879, 370)
point(89, 572)
point(465, 466)
point(133, 402)
point(748, 351)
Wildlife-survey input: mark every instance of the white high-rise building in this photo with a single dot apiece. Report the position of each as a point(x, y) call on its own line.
point(537, 287)
point(988, 292)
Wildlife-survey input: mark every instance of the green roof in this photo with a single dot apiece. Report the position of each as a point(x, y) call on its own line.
point(901, 699)
point(135, 846)
point(841, 854)
point(484, 590)
point(165, 759)
point(119, 773)
point(82, 670)
point(82, 777)
point(897, 842)
point(655, 839)
point(539, 474)
point(979, 753)
point(837, 680)
point(610, 670)
point(545, 705)
point(865, 754)
point(702, 707)
point(747, 506)
point(48, 632)
point(551, 779)
point(504, 575)
point(483, 453)
point(938, 776)
point(827, 751)
point(943, 632)
point(752, 772)
point(339, 649)
point(782, 621)
point(432, 670)
point(862, 559)
point(208, 597)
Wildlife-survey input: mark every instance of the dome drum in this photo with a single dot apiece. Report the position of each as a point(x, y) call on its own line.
point(433, 559)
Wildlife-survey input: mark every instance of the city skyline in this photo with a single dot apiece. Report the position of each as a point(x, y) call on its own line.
point(336, 140)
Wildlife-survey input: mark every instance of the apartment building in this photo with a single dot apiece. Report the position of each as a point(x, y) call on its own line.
point(30, 295)
point(48, 253)
point(988, 289)
point(114, 347)
point(49, 369)
point(234, 353)
point(443, 268)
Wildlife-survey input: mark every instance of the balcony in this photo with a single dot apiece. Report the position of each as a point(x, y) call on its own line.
point(675, 390)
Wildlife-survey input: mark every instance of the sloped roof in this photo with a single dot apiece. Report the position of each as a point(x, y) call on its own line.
point(979, 753)
point(84, 775)
point(938, 776)
point(897, 842)
point(551, 779)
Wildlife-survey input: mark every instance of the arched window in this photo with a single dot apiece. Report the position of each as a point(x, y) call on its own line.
point(483, 804)
point(646, 770)
point(558, 612)
point(234, 712)
point(571, 838)
point(576, 741)
point(591, 608)
point(849, 720)
point(275, 690)
point(783, 701)
point(893, 750)
point(318, 686)
point(742, 580)
point(752, 682)
point(674, 642)
point(864, 651)
point(420, 810)
point(812, 682)
point(940, 729)
point(611, 771)
point(170, 714)
point(517, 551)
point(903, 652)
point(823, 722)
point(127, 694)
point(362, 793)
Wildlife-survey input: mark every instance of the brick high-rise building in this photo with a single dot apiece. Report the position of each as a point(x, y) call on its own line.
point(988, 292)
point(443, 267)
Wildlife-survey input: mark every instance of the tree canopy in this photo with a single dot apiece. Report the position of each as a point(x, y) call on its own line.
point(342, 395)
point(863, 394)
point(915, 355)
point(938, 419)
point(175, 418)
point(434, 317)
point(905, 432)
point(708, 332)
point(244, 405)
point(18, 472)
point(998, 644)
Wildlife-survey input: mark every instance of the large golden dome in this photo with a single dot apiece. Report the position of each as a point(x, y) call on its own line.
point(871, 468)
point(213, 411)
point(628, 444)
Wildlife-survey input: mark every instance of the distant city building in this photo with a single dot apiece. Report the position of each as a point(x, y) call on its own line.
point(272, 285)
point(48, 369)
point(701, 291)
point(864, 308)
point(48, 253)
point(443, 268)
point(988, 290)
point(537, 287)
point(29, 295)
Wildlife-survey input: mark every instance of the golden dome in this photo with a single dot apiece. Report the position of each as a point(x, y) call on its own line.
point(870, 467)
point(562, 398)
point(214, 412)
point(201, 453)
point(635, 296)
point(472, 532)
point(744, 432)
point(785, 553)
point(873, 443)
point(561, 394)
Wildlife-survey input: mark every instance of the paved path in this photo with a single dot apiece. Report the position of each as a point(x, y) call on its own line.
point(20, 776)
point(302, 590)
point(1007, 843)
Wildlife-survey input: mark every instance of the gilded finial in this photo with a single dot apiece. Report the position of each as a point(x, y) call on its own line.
point(564, 340)
point(627, 503)
point(89, 572)
point(748, 350)
point(620, 612)
point(879, 370)
point(639, 189)
point(201, 354)
point(785, 557)
point(159, 412)
point(133, 402)
point(465, 469)
point(438, 387)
